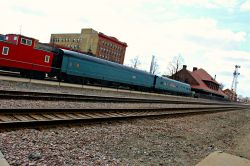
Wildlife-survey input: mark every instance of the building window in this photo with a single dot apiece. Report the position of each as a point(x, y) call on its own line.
point(5, 51)
point(46, 59)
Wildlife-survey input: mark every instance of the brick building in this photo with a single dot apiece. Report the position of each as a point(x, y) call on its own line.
point(232, 96)
point(201, 82)
point(89, 40)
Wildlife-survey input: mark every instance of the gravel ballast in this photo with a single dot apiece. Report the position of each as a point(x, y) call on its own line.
point(145, 141)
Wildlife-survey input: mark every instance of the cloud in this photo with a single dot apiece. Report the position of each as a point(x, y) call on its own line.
point(222, 63)
point(242, 60)
point(208, 3)
point(206, 29)
point(226, 73)
point(245, 6)
point(150, 27)
point(28, 11)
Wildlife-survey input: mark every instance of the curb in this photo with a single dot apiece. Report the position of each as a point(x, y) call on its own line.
point(218, 158)
point(3, 162)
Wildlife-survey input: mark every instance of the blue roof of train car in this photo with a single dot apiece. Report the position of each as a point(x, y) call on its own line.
point(101, 61)
point(175, 81)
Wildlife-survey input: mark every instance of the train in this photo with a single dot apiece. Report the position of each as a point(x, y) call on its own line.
point(37, 60)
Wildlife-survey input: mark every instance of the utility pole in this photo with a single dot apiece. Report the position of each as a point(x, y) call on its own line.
point(152, 64)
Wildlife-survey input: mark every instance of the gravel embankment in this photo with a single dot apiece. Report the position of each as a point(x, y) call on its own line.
point(145, 141)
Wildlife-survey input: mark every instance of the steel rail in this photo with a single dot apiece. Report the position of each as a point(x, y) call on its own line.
point(32, 118)
point(27, 95)
point(9, 73)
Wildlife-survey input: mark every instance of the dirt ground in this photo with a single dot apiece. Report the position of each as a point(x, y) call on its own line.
point(145, 141)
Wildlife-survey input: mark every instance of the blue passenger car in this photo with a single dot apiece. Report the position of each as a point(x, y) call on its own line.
point(1, 37)
point(172, 86)
point(81, 65)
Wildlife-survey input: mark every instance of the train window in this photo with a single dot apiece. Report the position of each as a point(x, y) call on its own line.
point(26, 41)
point(29, 42)
point(46, 58)
point(5, 51)
point(23, 41)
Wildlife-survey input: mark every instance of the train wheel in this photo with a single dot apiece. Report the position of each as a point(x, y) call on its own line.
point(37, 75)
point(25, 74)
point(22, 74)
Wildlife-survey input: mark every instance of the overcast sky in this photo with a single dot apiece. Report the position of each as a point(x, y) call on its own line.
point(209, 34)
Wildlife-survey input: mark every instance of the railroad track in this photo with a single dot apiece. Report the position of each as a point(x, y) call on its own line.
point(27, 95)
point(9, 73)
point(22, 118)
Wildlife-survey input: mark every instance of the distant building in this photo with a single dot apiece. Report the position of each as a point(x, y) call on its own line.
point(200, 81)
point(89, 40)
point(231, 94)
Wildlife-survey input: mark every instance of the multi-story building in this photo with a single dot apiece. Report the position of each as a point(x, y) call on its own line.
point(89, 40)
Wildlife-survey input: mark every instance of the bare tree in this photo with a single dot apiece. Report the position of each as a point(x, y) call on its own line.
point(175, 65)
point(240, 98)
point(221, 86)
point(135, 62)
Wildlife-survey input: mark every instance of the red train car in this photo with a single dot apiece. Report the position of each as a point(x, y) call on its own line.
point(21, 53)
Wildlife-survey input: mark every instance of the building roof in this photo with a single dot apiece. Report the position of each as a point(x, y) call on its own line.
point(229, 91)
point(21, 36)
point(200, 76)
point(112, 39)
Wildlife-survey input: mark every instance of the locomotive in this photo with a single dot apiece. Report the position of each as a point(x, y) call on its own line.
point(36, 60)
